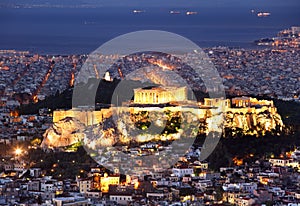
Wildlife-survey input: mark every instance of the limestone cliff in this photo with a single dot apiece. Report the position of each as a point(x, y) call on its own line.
point(168, 126)
point(252, 122)
point(63, 133)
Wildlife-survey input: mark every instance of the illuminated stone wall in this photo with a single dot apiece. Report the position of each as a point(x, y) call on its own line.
point(87, 117)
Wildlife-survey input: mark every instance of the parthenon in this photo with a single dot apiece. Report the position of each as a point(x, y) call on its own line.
point(159, 95)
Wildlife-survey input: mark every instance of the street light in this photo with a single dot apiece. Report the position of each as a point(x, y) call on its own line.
point(18, 151)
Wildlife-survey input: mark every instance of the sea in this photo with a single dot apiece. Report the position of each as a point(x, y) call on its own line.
point(82, 30)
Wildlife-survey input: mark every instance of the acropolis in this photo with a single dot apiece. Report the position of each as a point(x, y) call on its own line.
point(243, 112)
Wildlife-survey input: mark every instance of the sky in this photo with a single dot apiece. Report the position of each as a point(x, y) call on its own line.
point(159, 3)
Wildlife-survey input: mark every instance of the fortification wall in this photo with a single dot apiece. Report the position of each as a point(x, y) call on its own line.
point(87, 117)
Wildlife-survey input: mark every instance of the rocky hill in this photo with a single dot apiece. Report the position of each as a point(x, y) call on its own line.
point(168, 126)
point(63, 133)
point(255, 122)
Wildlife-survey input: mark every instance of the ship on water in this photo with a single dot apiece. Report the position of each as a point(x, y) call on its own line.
point(174, 12)
point(191, 12)
point(263, 14)
point(138, 11)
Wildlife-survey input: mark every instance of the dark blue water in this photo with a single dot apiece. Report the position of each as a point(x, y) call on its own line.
point(67, 30)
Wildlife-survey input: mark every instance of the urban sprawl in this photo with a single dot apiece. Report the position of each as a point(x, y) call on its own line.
point(27, 78)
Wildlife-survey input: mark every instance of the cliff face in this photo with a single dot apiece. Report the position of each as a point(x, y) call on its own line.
point(124, 131)
point(70, 130)
point(252, 122)
point(63, 133)
point(168, 126)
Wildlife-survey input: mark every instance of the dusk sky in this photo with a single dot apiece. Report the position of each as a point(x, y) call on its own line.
point(162, 3)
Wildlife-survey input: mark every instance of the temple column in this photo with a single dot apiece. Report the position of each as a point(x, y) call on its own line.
point(141, 97)
point(153, 97)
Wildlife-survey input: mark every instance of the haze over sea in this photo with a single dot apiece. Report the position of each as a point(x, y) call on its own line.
point(66, 30)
